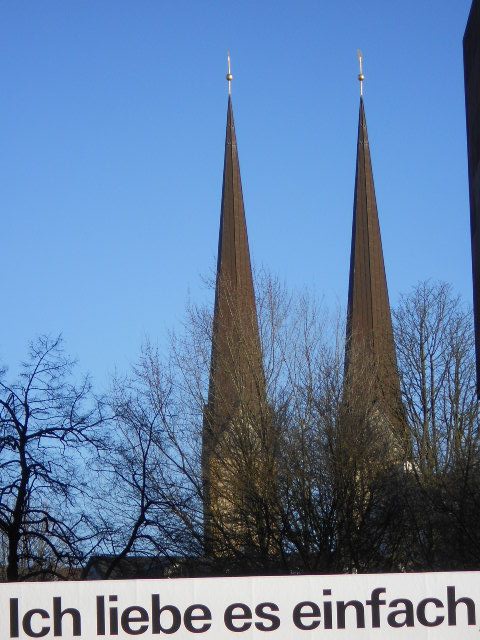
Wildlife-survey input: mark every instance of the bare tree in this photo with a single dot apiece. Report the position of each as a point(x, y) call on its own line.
point(153, 509)
point(271, 470)
point(47, 425)
point(435, 346)
point(434, 343)
point(321, 480)
point(276, 472)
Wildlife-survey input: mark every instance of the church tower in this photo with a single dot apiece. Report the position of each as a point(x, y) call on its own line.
point(371, 374)
point(235, 414)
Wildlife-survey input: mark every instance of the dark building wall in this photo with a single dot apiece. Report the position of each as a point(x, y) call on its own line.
point(471, 61)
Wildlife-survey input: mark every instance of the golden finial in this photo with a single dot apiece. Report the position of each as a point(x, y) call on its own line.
point(229, 75)
point(361, 77)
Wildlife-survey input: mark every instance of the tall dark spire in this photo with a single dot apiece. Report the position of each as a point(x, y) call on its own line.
point(370, 343)
point(237, 389)
point(236, 343)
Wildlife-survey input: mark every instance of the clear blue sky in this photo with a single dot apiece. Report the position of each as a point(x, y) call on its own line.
point(112, 124)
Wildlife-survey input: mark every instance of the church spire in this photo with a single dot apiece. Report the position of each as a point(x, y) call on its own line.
point(235, 340)
point(370, 342)
point(236, 395)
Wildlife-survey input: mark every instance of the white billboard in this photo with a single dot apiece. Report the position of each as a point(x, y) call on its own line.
point(390, 606)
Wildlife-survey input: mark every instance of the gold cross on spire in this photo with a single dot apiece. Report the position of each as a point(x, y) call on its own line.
point(361, 77)
point(229, 75)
